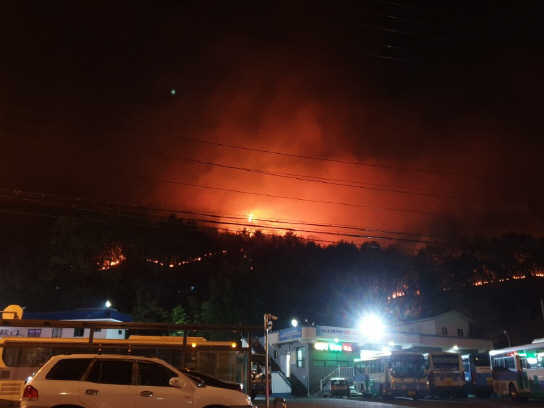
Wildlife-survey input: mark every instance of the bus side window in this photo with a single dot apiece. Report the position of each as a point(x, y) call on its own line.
point(531, 362)
point(499, 364)
point(523, 362)
point(510, 363)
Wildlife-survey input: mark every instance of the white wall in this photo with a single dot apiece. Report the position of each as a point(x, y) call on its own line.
point(450, 320)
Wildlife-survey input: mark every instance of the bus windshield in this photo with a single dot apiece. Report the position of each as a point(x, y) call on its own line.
point(407, 366)
point(482, 360)
point(446, 362)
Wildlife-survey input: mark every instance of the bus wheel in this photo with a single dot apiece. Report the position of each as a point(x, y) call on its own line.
point(382, 392)
point(513, 393)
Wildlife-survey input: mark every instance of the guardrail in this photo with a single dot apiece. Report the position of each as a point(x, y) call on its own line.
point(339, 372)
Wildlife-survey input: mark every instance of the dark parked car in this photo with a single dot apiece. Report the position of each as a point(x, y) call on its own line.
point(212, 381)
point(336, 387)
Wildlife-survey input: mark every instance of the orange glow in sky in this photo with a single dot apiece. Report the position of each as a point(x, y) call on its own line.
point(301, 124)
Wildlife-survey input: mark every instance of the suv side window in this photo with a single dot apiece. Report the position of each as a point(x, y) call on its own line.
point(111, 372)
point(71, 369)
point(155, 374)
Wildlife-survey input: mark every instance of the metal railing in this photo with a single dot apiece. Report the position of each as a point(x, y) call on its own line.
point(339, 372)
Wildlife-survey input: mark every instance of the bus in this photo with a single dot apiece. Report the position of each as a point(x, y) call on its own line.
point(518, 371)
point(478, 376)
point(446, 375)
point(20, 357)
point(392, 374)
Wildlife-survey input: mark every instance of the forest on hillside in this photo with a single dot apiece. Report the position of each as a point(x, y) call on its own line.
point(173, 270)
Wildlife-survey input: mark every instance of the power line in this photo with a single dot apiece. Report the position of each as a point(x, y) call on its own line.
point(324, 159)
point(287, 197)
point(221, 226)
point(78, 203)
point(218, 222)
point(298, 177)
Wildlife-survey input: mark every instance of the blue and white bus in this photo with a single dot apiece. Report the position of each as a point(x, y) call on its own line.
point(394, 374)
point(518, 371)
point(478, 375)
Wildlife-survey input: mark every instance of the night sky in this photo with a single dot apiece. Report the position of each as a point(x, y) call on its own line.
point(403, 119)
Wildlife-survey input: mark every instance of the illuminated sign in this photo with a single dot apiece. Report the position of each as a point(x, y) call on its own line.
point(327, 346)
point(335, 347)
point(321, 346)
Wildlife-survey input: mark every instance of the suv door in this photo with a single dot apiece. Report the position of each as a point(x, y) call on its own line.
point(153, 388)
point(63, 379)
point(109, 384)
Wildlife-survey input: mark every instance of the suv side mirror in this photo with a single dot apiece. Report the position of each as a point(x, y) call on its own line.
point(177, 382)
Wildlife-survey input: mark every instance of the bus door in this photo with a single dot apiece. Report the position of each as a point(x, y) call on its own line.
point(375, 375)
point(532, 362)
point(386, 374)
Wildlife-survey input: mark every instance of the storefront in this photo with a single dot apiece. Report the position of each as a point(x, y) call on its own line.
point(307, 355)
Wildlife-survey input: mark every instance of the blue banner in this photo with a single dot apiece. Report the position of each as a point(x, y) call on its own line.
point(290, 333)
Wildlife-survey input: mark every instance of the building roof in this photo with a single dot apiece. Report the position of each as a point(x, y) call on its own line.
point(80, 314)
point(453, 313)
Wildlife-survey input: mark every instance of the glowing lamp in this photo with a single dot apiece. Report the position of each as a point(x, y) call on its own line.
point(371, 326)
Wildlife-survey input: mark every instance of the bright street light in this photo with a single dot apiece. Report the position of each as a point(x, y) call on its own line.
point(371, 326)
point(108, 303)
point(294, 322)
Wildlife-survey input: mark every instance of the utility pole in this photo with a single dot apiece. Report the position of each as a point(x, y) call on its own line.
point(268, 319)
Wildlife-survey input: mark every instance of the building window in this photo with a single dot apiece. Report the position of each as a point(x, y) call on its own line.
point(120, 332)
point(97, 330)
point(301, 356)
point(276, 353)
point(34, 332)
point(444, 331)
point(460, 333)
point(79, 332)
point(57, 332)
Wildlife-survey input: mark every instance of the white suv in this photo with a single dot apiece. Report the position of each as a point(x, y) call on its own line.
point(117, 381)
